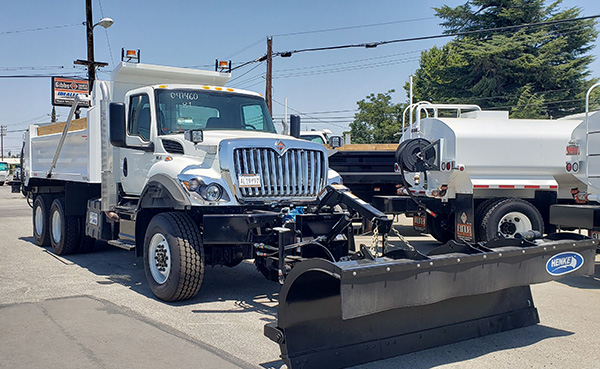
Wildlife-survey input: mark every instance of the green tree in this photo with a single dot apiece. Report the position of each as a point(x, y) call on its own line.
point(534, 71)
point(378, 119)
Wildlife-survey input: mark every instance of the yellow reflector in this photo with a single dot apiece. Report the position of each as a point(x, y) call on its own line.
point(162, 86)
point(218, 89)
point(230, 89)
point(206, 87)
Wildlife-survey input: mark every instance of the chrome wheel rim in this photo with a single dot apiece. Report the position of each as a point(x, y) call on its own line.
point(159, 258)
point(39, 221)
point(513, 223)
point(56, 227)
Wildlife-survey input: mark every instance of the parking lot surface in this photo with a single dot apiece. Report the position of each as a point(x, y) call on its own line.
point(96, 311)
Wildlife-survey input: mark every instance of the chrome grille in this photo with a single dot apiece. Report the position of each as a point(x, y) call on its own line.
point(296, 173)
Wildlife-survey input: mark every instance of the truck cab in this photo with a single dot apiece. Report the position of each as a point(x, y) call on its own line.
point(4, 172)
point(183, 170)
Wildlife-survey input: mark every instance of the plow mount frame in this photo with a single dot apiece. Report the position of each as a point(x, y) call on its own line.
point(347, 313)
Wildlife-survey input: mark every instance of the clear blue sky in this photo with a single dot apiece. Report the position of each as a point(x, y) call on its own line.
point(45, 37)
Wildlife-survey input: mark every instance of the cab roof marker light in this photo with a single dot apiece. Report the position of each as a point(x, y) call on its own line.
point(130, 55)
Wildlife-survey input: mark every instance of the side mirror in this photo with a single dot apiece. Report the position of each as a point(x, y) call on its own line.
point(196, 136)
point(336, 141)
point(295, 126)
point(116, 116)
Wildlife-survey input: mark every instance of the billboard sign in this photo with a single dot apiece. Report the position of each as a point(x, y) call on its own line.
point(64, 91)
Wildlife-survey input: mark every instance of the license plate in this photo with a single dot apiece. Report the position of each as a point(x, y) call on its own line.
point(419, 223)
point(249, 180)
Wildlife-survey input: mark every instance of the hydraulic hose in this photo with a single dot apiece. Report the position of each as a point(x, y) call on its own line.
point(410, 157)
point(413, 154)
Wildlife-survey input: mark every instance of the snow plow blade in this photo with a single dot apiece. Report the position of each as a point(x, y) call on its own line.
point(334, 315)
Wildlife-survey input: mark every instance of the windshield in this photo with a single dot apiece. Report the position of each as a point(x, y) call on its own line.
point(313, 138)
point(183, 110)
point(3, 166)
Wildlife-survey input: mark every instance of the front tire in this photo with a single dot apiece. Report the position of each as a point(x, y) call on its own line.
point(173, 257)
point(507, 217)
point(64, 230)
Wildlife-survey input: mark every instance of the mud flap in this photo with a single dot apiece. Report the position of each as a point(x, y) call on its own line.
point(334, 315)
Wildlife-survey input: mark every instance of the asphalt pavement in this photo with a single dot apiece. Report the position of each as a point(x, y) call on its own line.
point(96, 311)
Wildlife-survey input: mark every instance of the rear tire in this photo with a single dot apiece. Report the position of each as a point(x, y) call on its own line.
point(173, 256)
point(64, 230)
point(41, 210)
point(509, 216)
point(439, 228)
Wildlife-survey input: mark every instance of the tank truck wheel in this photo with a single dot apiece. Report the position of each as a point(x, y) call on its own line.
point(173, 256)
point(441, 228)
point(64, 230)
point(480, 212)
point(41, 210)
point(510, 216)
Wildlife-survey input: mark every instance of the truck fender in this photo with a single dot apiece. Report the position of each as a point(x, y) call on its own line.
point(162, 191)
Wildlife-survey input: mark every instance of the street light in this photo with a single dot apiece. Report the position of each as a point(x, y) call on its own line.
point(104, 22)
point(90, 25)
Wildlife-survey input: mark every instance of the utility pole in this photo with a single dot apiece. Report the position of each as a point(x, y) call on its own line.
point(2, 134)
point(269, 78)
point(89, 23)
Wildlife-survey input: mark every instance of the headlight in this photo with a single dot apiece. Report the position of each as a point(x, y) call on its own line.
point(213, 192)
point(193, 184)
point(203, 189)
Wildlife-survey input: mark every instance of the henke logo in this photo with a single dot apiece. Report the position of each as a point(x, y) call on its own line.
point(563, 263)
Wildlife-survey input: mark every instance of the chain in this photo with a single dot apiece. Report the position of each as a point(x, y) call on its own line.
point(375, 242)
point(401, 237)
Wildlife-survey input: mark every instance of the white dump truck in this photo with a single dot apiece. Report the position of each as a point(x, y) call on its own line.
point(476, 175)
point(583, 161)
point(187, 172)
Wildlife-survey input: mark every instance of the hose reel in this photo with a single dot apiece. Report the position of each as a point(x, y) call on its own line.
point(416, 155)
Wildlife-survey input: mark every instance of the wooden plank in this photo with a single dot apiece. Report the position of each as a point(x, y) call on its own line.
point(76, 125)
point(368, 147)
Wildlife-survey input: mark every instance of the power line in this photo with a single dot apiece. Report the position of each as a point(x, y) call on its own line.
point(456, 34)
point(352, 27)
point(41, 29)
point(243, 74)
point(308, 115)
point(106, 33)
point(39, 76)
point(245, 48)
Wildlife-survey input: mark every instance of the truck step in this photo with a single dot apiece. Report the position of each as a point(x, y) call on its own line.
point(125, 245)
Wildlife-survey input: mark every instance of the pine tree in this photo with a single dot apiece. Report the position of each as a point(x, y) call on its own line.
point(533, 71)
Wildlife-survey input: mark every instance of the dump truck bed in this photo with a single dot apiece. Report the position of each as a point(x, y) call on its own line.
point(79, 158)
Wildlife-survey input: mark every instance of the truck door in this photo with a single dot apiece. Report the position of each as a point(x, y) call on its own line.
point(137, 158)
